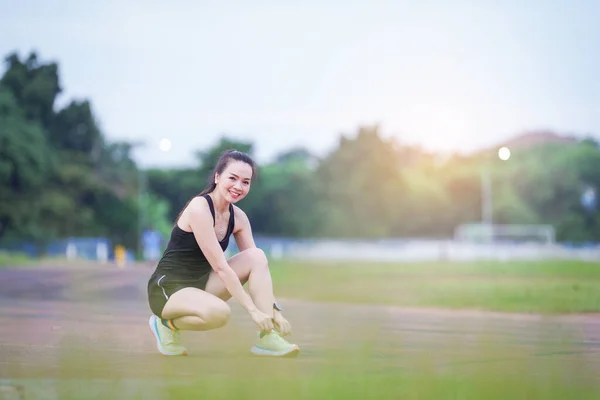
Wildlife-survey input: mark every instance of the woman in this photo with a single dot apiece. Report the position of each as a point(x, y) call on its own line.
point(193, 279)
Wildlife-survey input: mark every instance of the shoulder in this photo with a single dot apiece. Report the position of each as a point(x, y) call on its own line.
point(198, 207)
point(241, 219)
point(198, 203)
point(238, 213)
point(196, 211)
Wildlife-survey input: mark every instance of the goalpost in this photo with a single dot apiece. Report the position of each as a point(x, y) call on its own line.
point(495, 233)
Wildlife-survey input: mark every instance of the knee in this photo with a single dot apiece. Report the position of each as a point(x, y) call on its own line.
point(257, 257)
point(217, 315)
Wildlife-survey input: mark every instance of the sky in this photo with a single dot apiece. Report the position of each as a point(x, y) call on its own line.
point(447, 75)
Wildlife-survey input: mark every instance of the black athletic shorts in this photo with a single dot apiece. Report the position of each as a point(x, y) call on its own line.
point(162, 285)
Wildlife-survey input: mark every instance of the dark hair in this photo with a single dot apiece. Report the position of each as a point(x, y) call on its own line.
point(224, 160)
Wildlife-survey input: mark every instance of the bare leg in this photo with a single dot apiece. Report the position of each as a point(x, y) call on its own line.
point(250, 266)
point(195, 309)
point(200, 310)
point(187, 309)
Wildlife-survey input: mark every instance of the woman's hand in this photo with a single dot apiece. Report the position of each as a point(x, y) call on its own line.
point(262, 320)
point(282, 324)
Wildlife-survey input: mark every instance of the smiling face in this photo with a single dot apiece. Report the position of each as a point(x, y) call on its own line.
point(234, 183)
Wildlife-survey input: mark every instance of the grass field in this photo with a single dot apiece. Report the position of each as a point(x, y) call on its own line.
point(94, 347)
point(12, 259)
point(523, 287)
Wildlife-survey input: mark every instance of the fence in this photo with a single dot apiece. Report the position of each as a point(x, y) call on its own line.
point(94, 248)
point(102, 250)
point(421, 250)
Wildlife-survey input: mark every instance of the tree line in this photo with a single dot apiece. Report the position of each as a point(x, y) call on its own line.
point(61, 177)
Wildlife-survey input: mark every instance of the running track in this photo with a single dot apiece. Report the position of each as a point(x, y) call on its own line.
point(91, 324)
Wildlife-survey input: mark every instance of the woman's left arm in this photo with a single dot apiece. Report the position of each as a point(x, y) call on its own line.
point(242, 231)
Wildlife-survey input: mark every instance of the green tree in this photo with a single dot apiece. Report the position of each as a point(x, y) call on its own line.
point(34, 85)
point(74, 129)
point(24, 161)
point(59, 177)
point(284, 199)
point(155, 212)
point(362, 187)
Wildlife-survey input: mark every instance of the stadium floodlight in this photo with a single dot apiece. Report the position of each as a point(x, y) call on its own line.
point(504, 153)
point(164, 145)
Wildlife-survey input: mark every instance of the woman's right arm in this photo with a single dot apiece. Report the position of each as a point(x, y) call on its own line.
point(201, 222)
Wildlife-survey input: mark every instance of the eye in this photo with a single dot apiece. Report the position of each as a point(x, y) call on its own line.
point(246, 183)
point(231, 178)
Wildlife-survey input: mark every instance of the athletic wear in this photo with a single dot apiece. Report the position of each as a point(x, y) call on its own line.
point(183, 264)
point(167, 340)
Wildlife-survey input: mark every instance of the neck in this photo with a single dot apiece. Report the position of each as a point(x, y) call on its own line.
point(221, 205)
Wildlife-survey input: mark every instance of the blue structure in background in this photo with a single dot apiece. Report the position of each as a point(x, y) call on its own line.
point(152, 245)
point(86, 248)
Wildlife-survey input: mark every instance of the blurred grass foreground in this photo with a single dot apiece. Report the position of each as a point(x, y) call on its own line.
point(355, 358)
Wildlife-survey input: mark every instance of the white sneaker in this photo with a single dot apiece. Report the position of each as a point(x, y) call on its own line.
point(167, 340)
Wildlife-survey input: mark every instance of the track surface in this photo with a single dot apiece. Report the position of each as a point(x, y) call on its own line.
point(82, 327)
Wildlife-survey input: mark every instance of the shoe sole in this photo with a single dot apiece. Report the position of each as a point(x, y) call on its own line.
point(258, 351)
point(152, 324)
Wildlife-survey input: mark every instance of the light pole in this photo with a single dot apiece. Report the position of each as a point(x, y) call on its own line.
point(486, 197)
point(487, 211)
point(141, 190)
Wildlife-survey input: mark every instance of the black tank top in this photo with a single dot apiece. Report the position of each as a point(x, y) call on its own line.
point(183, 256)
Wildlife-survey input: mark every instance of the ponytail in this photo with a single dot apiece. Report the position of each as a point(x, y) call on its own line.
point(208, 189)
